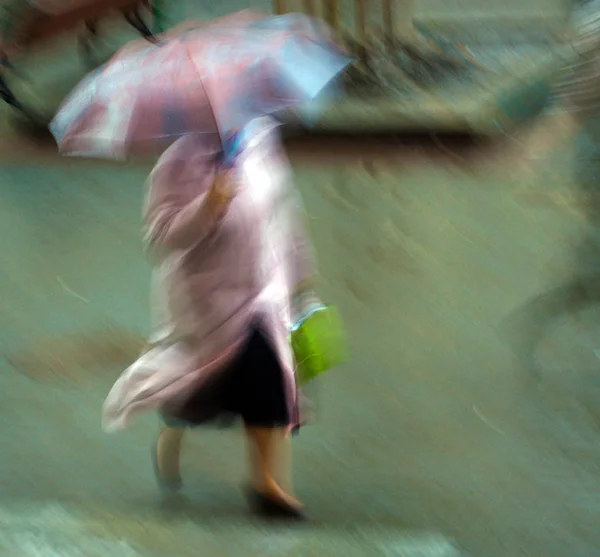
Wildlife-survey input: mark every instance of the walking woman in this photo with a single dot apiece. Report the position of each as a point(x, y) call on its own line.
point(232, 263)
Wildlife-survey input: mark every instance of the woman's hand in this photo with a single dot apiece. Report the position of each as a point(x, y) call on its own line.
point(220, 195)
point(303, 304)
point(306, 286)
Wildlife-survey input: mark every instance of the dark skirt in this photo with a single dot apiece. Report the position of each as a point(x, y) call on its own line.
point(251, 388)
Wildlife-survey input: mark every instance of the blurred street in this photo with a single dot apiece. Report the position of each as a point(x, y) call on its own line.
point(432, 441)
point(432, 435)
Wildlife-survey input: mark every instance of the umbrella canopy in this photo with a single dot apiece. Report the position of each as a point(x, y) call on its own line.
point(213, 79)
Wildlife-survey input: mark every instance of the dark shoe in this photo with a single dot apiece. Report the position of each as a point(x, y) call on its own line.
point(266, 507)
point(166, 485)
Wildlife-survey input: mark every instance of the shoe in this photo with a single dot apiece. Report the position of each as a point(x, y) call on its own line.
point(266, 507)
point(166, 485)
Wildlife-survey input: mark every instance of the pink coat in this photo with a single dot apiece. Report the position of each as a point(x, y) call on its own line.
point(211, 279)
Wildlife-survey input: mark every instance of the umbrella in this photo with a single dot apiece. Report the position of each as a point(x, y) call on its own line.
point(214, 79)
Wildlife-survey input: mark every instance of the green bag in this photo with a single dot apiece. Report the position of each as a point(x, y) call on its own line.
point(319, 343)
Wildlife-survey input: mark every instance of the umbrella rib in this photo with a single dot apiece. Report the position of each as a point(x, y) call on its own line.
point(212, 110)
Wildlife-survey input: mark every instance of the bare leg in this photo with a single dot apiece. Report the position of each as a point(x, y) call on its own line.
point(267, 446)
point(168, 452)
point(284, 464)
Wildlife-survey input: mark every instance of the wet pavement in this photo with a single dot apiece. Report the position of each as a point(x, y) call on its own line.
point(431, 440)
point(53, 530)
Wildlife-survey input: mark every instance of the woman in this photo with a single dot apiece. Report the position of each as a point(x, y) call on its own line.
point(232, 261)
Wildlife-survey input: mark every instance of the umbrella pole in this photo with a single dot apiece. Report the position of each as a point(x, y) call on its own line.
point(360, 16)
point(279, 7)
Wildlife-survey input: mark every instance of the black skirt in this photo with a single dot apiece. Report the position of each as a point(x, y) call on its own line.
point(251, 388)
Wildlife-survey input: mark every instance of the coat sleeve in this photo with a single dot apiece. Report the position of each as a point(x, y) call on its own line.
point(171, 220)
point(300, 259)
point(301, 254)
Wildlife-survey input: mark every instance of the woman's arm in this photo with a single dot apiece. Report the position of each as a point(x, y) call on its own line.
point(173, 225)
point(172, 220)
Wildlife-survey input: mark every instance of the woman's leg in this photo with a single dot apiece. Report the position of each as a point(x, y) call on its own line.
point(270, 463)
point(258, 394)
point(168, 452)
point(283, 474)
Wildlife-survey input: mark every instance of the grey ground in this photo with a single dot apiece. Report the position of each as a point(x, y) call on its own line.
point(431, 438)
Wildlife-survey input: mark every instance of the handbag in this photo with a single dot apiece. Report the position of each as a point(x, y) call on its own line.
point(318, 341)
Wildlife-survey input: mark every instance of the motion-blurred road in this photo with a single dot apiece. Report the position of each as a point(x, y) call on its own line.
point(432, 429)
point(433, 440)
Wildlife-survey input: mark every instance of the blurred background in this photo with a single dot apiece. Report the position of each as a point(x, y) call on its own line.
point(466, 422)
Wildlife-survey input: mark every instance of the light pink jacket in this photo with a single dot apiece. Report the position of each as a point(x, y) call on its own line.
point(213, 278)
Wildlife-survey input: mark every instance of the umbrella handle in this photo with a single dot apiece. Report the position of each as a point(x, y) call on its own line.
point(232, 147)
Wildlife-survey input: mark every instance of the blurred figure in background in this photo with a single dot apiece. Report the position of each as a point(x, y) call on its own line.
point(578, 120)
point(232, 264)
